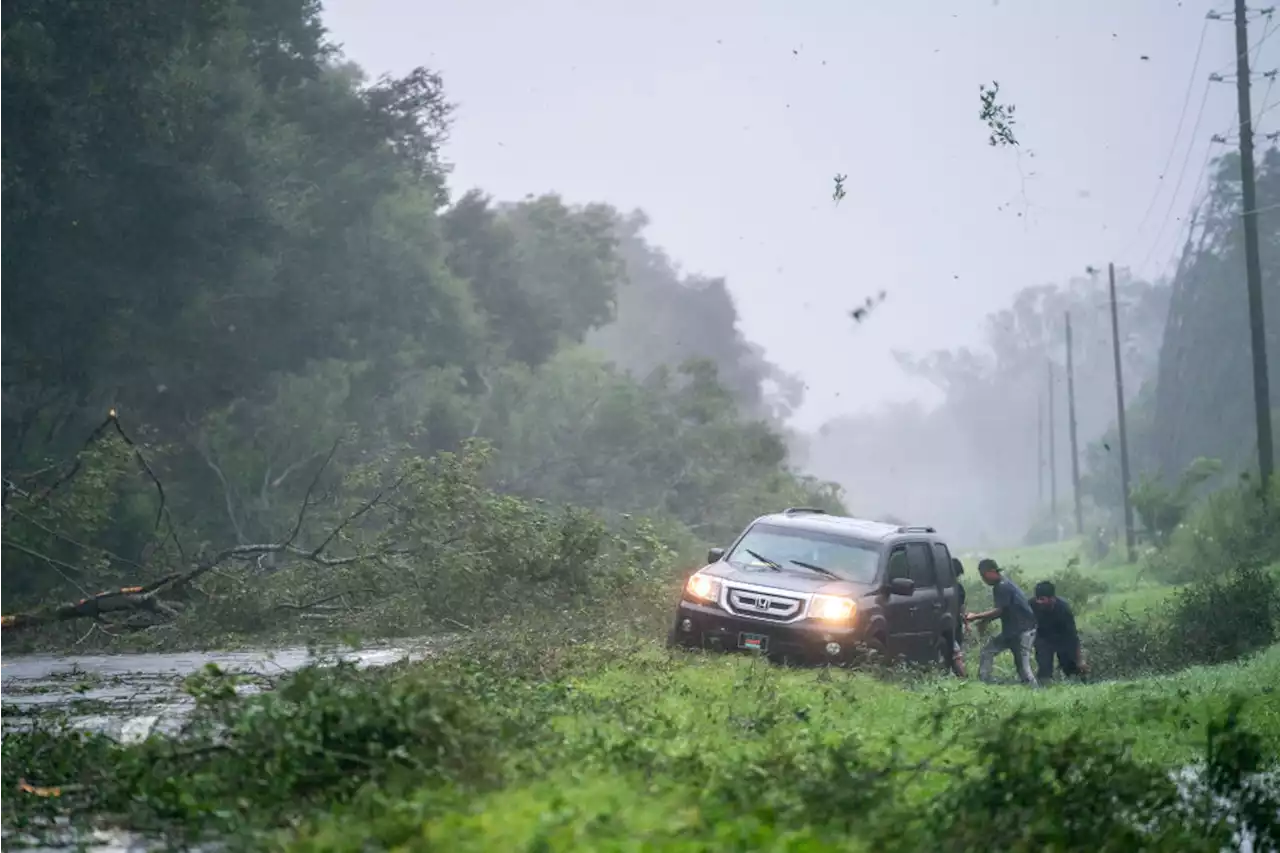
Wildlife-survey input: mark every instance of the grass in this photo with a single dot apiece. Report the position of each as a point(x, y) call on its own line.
point(640, 744)
point(617, 746)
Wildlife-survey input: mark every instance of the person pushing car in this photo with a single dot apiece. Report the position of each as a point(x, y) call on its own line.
point(1017, 624)
point(1056, 634)
point(957, 638)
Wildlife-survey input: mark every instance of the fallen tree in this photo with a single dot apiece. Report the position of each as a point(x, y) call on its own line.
point(144, 605)
point(431, 547)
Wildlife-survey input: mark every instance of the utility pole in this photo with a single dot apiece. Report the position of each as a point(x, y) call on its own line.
point(1124, 433)
point(1071, 424)
point(1253, 266)
point(1053, 458)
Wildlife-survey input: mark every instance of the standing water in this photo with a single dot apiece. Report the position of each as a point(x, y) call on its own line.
point(130, 696)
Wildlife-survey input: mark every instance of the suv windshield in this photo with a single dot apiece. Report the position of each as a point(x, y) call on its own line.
point(847, 559)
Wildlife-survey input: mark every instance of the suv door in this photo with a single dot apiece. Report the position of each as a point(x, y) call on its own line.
point(899, 611)
point(947, 583)
point(927, 604)
point(946, 579)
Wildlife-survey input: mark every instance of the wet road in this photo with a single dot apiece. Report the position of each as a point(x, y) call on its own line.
point(130, 695)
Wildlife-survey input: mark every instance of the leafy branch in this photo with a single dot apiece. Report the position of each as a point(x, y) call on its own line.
point(998, 117)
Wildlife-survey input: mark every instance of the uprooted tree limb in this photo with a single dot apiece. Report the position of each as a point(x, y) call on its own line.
point(143, 604)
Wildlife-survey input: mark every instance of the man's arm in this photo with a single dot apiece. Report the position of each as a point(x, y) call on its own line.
point(985, 615)
point(1073, 636)
point(1001, 601)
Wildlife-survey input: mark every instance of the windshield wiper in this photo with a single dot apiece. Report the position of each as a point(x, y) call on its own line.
point(811, 567)
point(772, 564)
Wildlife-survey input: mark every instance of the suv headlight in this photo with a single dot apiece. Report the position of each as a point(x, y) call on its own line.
point(832, 608)
point(703, 588)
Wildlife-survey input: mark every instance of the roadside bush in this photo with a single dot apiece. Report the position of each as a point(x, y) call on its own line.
point(1233, 527)
point(1213, 620)
point(1162, 507)
point(1128, 645)
point(320, 737)
point(1025, 792)
point(1224, 618)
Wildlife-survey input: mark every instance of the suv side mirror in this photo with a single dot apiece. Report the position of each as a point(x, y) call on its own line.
point(902, 586)
point(714, 555)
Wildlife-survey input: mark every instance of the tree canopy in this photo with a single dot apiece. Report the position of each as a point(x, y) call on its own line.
point(221, 230)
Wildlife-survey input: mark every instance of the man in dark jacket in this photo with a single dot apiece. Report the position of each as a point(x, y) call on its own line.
point(957, 568)
point(957, 640)
point(1056, 634)
point(1017, 624)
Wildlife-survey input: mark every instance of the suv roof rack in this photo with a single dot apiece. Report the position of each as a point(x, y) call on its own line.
point(799, 510)
point(916, 528)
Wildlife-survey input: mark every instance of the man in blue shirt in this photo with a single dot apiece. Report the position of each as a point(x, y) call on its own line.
point(1017, 624)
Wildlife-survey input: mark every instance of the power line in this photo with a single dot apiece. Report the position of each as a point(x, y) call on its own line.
point(1221, 138)
point(1182, 174)
point(1266, 209)
point(1267, 31)
point(1202, 187)
point(1173, 143)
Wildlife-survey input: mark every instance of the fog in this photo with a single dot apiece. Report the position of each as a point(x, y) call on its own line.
point(726, 125)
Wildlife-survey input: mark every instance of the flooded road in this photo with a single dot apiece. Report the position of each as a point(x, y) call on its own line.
point(130, 696)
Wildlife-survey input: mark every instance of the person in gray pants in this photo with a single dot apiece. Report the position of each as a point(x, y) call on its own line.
point(1017, 624)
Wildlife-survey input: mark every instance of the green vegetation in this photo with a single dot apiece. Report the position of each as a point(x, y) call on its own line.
point(341, 398)
point(521, 745)
point(268, 378)
point(582, 733)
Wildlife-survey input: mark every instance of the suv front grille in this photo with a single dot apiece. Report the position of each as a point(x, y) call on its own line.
point(764, 605)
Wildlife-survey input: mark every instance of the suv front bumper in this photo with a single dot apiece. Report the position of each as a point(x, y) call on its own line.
point(700, 626)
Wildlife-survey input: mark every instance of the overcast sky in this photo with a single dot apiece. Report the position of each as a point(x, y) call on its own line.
point(726, 122)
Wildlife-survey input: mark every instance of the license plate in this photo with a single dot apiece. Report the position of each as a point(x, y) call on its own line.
point(754, 642)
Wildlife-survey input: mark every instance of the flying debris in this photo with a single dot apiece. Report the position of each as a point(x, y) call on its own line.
point(860, 313)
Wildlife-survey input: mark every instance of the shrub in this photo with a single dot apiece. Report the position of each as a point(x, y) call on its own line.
point(1224, 618)
point(1213, 620)
point(1162, 508)
point(1028, 793)
point(1233, 527)
point(320, 737)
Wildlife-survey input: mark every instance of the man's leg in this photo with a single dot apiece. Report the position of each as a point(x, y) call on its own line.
point(1044, 661)
point(992, 647)
point(1023, 649)
point(1067, 661)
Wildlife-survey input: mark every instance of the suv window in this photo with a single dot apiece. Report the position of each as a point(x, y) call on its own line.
point(920, 565)
point(849, 559)
point(898, 566)
point(942, 563)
